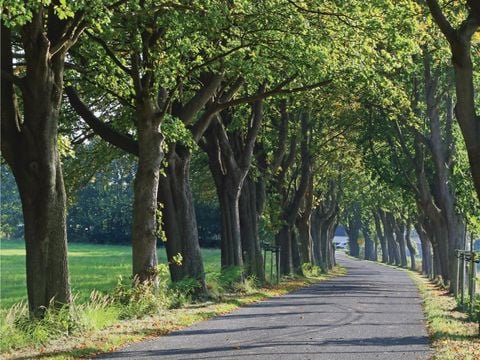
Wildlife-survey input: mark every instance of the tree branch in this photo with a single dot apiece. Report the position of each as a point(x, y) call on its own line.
point(103, 130)
point(278, 90)
point(109, 52)
point(257, 116)
point(442, 21)
point(197, 102)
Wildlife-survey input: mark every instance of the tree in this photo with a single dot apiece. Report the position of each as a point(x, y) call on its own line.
point(41, 33)
point(460, 39)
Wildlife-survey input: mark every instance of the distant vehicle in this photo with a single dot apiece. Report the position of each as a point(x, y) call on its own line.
point(341, 242)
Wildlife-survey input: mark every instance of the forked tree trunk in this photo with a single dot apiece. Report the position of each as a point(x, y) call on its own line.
point(460, 40)
point(30, 149)
point(179, 218)
point(393, 251)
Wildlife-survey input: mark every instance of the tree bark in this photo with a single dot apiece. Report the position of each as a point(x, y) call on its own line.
point(230, 157)
point(369, 244)
point(303, 224)
point(249, 217)
point(30, 149)
point(393, 250)
point(411, 247)
point(145, 189)
point(353, 229)
point(460, 45)
point(377, 216)
point(427, 268)
point(399, 229)
point(179, 218)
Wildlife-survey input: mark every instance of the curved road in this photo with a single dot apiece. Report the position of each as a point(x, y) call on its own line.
point(374, 312)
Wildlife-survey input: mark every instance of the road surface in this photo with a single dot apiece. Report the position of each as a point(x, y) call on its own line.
point(374, 312)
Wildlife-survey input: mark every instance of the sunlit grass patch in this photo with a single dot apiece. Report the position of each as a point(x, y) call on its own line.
point(92, 267)
point(452, 334)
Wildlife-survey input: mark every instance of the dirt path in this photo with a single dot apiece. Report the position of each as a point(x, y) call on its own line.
point(372, 313)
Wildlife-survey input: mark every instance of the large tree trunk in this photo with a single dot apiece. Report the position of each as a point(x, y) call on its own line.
point(179, 218)
point(144, 233)
point(249, 217)
point(441, 150)
point(30, 149)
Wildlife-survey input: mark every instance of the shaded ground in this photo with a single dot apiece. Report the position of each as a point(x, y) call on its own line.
point(372, 313)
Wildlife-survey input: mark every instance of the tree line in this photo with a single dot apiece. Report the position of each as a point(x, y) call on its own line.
point(303, 114)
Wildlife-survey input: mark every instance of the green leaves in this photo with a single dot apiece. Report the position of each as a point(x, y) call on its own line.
point(62, 10)
point(175, 131)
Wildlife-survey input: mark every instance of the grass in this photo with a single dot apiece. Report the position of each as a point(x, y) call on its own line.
point(453, 335)
point(103, 323)
point(92, 267)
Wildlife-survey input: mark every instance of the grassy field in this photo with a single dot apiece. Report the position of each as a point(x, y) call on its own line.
point(92, 267)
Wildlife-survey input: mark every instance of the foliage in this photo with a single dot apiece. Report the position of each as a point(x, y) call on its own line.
point(310, 270)
point(11, 218)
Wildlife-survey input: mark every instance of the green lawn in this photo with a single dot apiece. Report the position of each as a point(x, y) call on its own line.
point(92, 267)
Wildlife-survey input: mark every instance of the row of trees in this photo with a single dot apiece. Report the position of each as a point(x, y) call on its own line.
point(295, 108)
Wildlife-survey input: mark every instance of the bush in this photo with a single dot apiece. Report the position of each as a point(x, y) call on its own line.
point(310, 270)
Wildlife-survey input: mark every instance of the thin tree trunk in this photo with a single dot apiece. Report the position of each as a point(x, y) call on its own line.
point(378, 216)
point(411, 247)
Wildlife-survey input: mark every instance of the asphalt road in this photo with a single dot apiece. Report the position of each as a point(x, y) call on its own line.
point(372, 313)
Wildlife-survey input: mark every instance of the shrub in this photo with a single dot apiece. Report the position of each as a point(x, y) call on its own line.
point(310, 270)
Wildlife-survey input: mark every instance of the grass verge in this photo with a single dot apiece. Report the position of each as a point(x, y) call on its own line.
point(453, 335)
point(109, 334)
